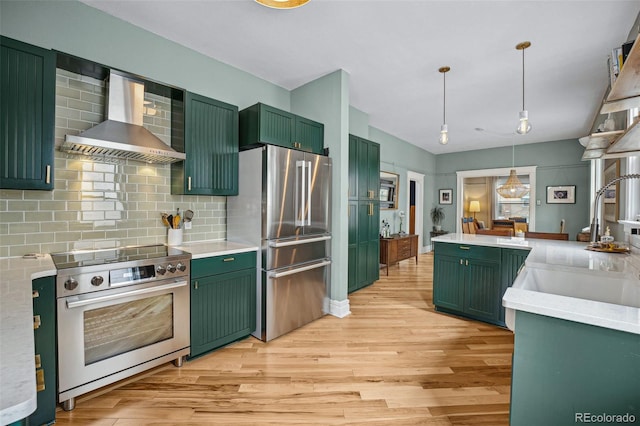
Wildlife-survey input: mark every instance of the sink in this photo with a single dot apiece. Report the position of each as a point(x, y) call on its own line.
point(618, 289)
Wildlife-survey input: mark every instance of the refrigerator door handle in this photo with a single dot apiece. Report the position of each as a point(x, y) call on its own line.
point(276, 244)
point(301, 269)
point(309, 193)
point(300, 192)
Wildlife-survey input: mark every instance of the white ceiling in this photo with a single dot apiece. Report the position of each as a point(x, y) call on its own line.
point(392, 50)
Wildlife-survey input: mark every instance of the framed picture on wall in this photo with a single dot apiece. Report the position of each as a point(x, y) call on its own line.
point(561, 194)
point(446, 196)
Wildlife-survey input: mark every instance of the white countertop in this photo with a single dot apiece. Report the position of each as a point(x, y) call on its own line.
point(201, 249)
point(17, 371)
point(571, 264)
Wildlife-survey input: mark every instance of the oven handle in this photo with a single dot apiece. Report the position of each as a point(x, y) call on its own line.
point(297, 270)
point(84, 302)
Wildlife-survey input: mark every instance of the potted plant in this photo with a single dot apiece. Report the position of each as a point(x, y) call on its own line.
point(437, 216)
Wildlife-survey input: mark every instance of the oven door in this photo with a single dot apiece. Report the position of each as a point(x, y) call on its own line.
point(103, 333)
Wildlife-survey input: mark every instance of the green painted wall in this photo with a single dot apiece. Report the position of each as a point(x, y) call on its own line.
point(326, 100)
point(398, 156)
point(559, 163)
point(358, 123)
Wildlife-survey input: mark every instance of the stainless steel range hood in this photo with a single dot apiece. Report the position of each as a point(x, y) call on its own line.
point(122, 135)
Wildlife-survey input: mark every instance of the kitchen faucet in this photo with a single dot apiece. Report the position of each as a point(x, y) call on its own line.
point(594, 222)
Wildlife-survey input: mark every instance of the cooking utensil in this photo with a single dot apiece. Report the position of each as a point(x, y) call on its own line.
point(164, 216)
point(170, 220)
point(176, 219)
point(188, 215)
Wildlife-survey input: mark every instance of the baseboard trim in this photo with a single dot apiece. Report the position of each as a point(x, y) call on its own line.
point(339, 308)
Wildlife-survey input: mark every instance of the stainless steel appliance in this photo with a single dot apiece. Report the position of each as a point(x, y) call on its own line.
point(120, 312)
point(284, 207)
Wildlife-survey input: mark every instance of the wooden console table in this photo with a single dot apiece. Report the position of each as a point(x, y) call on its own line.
point(397, 248)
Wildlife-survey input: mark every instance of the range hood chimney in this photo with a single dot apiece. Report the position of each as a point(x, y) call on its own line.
point(122, 135)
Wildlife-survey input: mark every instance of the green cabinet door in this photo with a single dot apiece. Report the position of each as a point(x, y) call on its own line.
point(211, 145)
point(353, 168)
point(368, 165)
point(44, 306)
point(352, 247)
point(27, 108)
point(448, 282)
point(264, 124)
point(482, 298)
point(309, 135)
point(373, 235)
point(223, 309)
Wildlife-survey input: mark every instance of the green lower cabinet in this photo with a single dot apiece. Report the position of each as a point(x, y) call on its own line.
point(470, 280)
point(44, 308)
point(449, 274)
point(567, 373)
point(223, 305)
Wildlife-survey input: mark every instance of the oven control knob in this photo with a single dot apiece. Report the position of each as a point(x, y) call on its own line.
point(181, 267)
point(70, 284)
point(171, 268)
point(97, 280)
point(161, 270)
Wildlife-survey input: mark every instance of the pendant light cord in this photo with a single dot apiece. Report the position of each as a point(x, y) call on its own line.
point(444, 103)
point(523, 79)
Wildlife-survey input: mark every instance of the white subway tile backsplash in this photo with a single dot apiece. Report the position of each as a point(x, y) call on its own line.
point(101, 204)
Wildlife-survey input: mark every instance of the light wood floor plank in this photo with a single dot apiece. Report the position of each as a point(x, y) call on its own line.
point(393, 361)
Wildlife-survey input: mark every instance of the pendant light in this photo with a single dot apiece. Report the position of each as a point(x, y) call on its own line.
point(513, 188)
point(282, 4)
point(524, 127)
point(444, 131)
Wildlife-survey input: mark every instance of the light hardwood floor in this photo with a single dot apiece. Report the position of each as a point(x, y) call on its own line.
point(393, 361)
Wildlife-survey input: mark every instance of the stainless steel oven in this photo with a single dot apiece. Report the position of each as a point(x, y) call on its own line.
point(119, 312)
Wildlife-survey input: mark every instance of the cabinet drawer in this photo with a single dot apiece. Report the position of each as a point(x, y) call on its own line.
point(468, 251)
point(222, 264)
point(404, 244)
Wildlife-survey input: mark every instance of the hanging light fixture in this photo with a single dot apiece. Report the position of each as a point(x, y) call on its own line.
point(444, 131)
point(283, 4)
point(524, 127)
point(512, 188)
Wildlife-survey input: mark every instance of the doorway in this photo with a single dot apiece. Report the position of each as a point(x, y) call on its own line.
point(415, 206)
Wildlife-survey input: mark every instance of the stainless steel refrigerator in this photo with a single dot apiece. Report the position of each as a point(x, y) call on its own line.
point(284, 207)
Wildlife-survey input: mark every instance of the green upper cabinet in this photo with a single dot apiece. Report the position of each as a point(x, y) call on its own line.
point(264, 124)
point(309, 135)
point(211, 145)
point(27, 108)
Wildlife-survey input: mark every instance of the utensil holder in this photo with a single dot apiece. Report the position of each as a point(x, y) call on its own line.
point(174, 237)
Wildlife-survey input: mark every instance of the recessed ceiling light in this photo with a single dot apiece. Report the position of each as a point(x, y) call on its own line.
point(283, 4)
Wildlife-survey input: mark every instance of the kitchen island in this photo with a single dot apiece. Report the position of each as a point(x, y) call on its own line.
point(576, 318)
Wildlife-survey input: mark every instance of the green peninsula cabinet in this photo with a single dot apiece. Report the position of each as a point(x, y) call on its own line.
point(223, 300)
point(44, 334)
point(470, 280)
point(566, 372)
point(364, 213)
point(264, 124)
point(27, 107)
point(211, 145)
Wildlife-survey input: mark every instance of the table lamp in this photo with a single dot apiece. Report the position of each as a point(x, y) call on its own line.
point(474, 207)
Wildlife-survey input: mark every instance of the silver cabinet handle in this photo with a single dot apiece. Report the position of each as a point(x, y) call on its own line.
point(75, 302)
point(277, 244)
point(189, 183)
point(48, 174)
point(297, 270)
